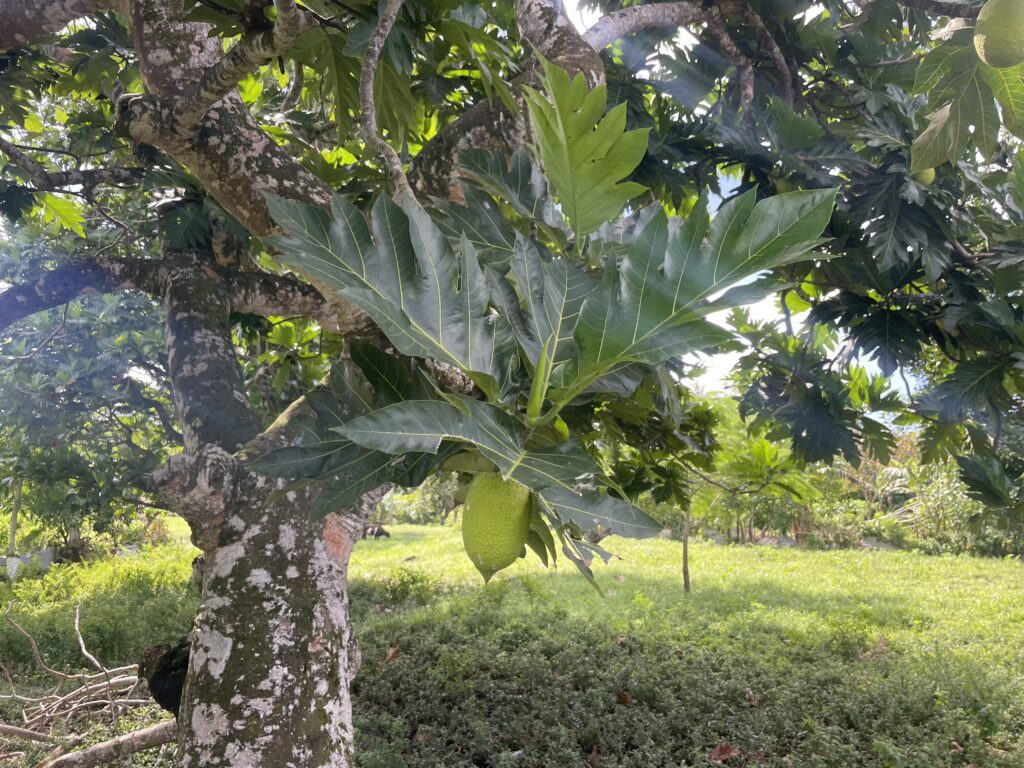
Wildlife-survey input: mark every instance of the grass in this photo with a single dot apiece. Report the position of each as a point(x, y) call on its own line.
point(794, 658)
point(788, 658)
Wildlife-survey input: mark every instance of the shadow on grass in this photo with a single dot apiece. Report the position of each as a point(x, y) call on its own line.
point(507, 675)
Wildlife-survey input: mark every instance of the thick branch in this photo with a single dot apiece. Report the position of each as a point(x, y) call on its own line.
point(78, 278)
point(122, 746)
point(252, 51)
point(637, 18)
point(261, 294)
point(25, 20)
point(206, 380)
point(370, 129)
point(939, 8)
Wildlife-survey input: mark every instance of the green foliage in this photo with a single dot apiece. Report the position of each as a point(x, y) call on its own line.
point(127, 604)
point(585, 153)
point(786, 652)
point(83, 415)
point(428, 299)
point(349, 469)
point(433, 298)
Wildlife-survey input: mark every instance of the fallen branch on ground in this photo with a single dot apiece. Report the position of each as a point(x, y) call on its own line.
point(49, 718)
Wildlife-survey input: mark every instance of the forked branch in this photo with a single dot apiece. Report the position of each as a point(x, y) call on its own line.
point(252, 51)
point(42, 179)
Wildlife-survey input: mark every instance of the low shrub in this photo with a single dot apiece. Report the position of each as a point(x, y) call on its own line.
point(127, 604)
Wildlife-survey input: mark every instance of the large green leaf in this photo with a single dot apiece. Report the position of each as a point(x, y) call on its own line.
point(348, 469)
point(552, 293)
point(650, 308)
point(480, 221)
point(515, 180)
point(986, 480)
point(585, 153)
point(429, 299)
point(962, 95)
point(554, 473)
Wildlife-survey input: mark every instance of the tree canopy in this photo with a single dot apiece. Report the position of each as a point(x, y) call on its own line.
point(502, 237)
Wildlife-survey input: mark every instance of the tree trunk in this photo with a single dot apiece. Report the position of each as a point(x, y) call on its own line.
point(12, 548)
point(74, 542)
point(272, 647)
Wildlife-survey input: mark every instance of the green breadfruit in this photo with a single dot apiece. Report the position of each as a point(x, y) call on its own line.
point(925, 177)
point(495, 522)
point(999, 33)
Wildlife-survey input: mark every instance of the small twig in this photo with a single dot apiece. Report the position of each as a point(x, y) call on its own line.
point(370, 129)
point(49, 337)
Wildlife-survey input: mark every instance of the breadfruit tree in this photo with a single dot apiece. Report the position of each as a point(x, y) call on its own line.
point(506, 235)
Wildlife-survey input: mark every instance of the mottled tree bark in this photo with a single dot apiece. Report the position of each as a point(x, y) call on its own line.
point(206, 382)
point(273, 651)
point(268, 679)
point(272, 647)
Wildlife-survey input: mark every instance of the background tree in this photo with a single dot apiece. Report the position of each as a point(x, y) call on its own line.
point(518, 330)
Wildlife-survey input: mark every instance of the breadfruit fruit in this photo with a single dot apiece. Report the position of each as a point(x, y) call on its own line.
point(926, 177)
point(999, 33)
point(495, 522)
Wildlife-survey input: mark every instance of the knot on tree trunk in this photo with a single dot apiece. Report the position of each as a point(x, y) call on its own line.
point(200, 488)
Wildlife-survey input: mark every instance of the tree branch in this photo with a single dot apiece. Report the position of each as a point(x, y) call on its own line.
point(637, 18)
point(370, 130)
point(42, 179)
point(25, 20)
point(263, 294)
point(252, 51)
point(122, 746)
point(736, 57)
point(939, 8)
point(778, 57)
point(75, 279)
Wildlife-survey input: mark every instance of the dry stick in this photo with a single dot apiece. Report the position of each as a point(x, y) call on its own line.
point(25, 733)
point(122, 746)
point(35, 650)
point(85, 652)
point(51, 708)
point(371, 131)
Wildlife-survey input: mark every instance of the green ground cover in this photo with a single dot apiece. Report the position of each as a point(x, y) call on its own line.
point(778, 658)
